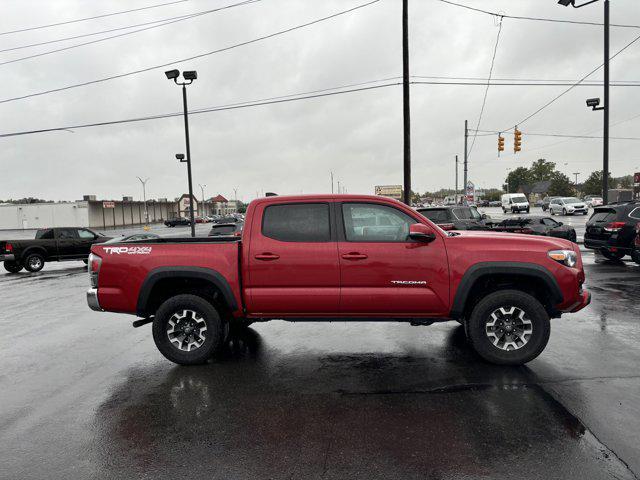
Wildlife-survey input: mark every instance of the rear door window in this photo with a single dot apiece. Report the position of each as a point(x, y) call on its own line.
point(436, 216)
point(67, 233)
point(45, 234)
point(635, 214)
point(297, 222)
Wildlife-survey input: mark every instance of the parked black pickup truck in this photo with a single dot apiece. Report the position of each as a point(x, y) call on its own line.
point(50, 245)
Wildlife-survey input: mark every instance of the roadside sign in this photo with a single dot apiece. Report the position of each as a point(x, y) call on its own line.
point(108, 204)
point(471, 190)
point(392, 191)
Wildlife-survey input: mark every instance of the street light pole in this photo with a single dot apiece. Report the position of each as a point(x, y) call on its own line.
point(203, 200)
point(605, 108)
point(144, 198)
point(189, 77)
point(456, 193)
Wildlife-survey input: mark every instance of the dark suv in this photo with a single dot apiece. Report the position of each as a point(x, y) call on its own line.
point(456, 217)
point(612, 229)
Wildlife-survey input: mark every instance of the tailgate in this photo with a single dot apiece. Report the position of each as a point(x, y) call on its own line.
point(600, 218)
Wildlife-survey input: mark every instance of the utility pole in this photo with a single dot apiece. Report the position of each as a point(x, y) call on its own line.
point(405, 102)
point(144, 198)
point(576, 174)
point(338, 186)
point(466, 156)
point(331, 173)
point(456, 194)
point(605, 153)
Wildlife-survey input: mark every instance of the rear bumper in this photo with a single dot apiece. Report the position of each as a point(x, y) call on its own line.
point(607, 244)
point(9, 257)
point(92, 300)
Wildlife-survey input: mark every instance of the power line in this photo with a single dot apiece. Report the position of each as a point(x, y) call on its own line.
point(538, 19)
point(110, 30)
point(532, 80)
point(486, 91)
point(174, 62)
point(67, 22)
point(554, 99)
point(560, 135)
point(180, 19)
point(519, 84)
point(234, 106)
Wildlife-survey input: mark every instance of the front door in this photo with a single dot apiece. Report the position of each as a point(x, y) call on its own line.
point(383, 271)
point(87, 238)
point(292, 261)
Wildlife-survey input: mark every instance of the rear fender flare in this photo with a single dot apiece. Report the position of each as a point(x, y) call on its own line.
point(477, 271)
point(201, 273)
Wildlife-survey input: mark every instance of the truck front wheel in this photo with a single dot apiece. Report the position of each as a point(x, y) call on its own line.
point(508, 327)
point(12, 267)
point(187, 329)
point(34, 262)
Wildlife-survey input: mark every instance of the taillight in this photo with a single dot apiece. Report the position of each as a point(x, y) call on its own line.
point(614, 226)
point(237, 234)
point(93, 265)
point(8, 247)
point(446, 226)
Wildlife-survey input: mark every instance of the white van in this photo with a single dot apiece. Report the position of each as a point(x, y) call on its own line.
point(515, 203)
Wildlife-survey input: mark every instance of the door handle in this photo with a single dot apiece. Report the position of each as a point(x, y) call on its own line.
point(267, 256)
point(354, 256)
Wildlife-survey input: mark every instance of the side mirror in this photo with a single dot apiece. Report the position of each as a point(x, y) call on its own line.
point(560, 223)
point(484, 216)
point(421, 232)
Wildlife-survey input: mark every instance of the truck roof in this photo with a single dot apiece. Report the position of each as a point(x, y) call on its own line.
point(324, 196)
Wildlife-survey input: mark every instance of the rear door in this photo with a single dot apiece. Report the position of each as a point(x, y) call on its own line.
point(384, 272)
point(68, 242)
point(293, 264)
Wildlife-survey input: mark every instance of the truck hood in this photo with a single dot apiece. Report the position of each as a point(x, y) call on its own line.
point(509, 241)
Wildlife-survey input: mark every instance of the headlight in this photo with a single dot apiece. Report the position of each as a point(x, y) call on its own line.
point(566, 257)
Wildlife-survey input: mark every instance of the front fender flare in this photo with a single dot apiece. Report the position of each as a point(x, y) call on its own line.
point(475, 272)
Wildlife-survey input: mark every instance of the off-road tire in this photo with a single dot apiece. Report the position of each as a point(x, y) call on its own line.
point(214, 334)
point(12, 267)
point(635, 255)
point(564, 211)
point(476, 325)
point(34, 262)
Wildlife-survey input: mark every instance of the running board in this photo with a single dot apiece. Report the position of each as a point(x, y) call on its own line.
point(142, 321)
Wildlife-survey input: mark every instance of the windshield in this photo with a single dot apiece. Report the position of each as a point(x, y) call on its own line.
point(436, 216)
point(468, 213)
point(571, 200)
point(519, 199)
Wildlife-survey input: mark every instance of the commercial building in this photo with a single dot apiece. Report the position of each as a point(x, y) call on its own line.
point(89, 212)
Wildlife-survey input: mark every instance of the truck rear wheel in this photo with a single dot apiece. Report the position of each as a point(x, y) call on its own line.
point(34, 262)
point(508, 327)
point(187, 329)
point(12, 267)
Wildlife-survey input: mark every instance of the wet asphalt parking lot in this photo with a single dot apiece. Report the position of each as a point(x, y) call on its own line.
point(85, 395)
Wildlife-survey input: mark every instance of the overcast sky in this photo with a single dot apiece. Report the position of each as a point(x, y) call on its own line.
point(292, 147)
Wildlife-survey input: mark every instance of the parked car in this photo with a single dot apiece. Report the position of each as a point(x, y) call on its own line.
point(592, 201)
point(177, 221)
point(567, 206)
point(546, 201)
point(635, 252)
point(49, 245)
point(347, 258)
point(234, 229)
point(228, 219)
point(536, 226)
point(200, 219)
point(495, 203)
point(515, 203)
point(611, 229)
point(456, 218)
point(133, 238)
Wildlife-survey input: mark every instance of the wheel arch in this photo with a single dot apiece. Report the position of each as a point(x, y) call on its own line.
point(163, 282)
point(34, 249)
point(485, 277)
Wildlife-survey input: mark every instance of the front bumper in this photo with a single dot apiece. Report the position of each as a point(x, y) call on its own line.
point(585, 299)
point(8, 257)
point(92, 300)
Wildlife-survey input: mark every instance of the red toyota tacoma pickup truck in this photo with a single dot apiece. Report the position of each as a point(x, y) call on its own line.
point(341, 258)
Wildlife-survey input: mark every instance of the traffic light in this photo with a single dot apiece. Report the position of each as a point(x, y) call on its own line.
point(500, 143)
point(517, 140)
